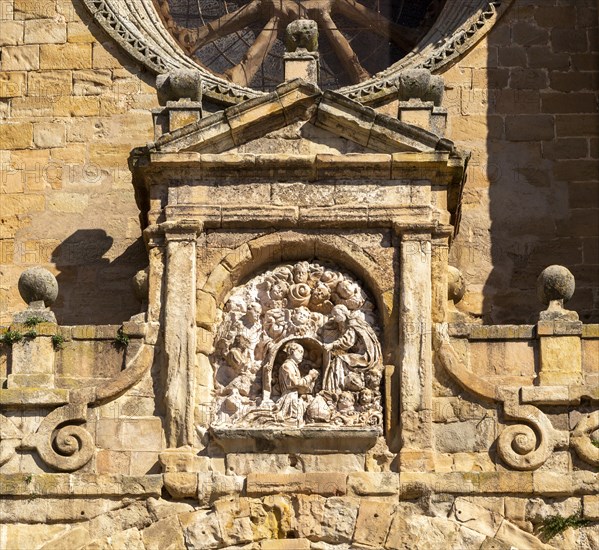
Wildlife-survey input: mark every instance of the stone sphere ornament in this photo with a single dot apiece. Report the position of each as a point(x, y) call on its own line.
point(456, 285)
point(555, 283)
point(37, 284)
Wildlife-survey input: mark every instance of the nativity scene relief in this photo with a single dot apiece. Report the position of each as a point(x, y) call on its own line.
point(298, 345)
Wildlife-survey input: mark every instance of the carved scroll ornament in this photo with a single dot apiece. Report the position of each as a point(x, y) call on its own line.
point(523, 446)
point(62, 440)
point(298, 346)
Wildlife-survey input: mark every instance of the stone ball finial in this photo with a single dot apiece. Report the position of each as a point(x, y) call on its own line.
point(179, 84)
point(555, 283)
point(421, 84)
point(37, 284)
point(456, 285)
point(140, 285)
point(301, 34)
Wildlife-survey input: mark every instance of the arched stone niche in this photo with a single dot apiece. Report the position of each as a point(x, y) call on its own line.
point(269, 250)
point(298, 345)
point(242, 285)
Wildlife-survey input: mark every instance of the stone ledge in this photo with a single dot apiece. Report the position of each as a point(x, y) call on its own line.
point(51, 485)
point(33, 397)
point(318, 483)
point(491, 332)
point(415, 484)
point(436, 166)
point(590, 331)
point(296, 440)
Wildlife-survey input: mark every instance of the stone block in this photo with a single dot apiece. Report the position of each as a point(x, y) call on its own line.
point(30, 536)
point(529, 127)
point(328, 484)
point(290, 544)
point(560, 360)
point(130, 434)
point(234, 519)
point(590, 504)
point(12, 84)
point(45, 31)
point(92, 82)
point(166, 533)
point(74, 538)
point(76, 106)
point(17, 135)
point(12, 33)
point(129, 539)
point(339, 519)
point(554, 484)
point(205, 310)
point(373, 522)
point(49, 134)
point(65, 56)
point(20, 58)
point(112, 462)
point(181, 484)
point(50, 83)
point(468, 436)
point(373, 483)
point(201, 529)
point(78, 31)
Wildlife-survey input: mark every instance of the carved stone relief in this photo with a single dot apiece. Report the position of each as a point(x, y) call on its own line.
point(298, 345)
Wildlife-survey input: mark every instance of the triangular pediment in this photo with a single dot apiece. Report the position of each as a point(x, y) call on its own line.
point(310, 115)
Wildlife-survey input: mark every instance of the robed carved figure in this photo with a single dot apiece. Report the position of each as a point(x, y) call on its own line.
point(298, 345)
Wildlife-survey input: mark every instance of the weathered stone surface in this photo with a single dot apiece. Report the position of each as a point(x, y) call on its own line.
point(373, 483)
point(467, 436)
point(339, 519)
point(328, 484)
point(373, 522)
point(165, 533)
point(201, 529)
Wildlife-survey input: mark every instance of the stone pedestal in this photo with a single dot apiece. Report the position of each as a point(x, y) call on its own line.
point(304, 65)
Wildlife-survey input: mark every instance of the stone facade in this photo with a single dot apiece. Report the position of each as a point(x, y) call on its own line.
point(297, 364)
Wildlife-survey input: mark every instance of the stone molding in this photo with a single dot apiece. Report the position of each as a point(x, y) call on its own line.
point(527, 445)
point(61, 440)
point(137, 28)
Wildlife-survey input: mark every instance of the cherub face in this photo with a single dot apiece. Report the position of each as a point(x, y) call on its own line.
point(300, 272)
point(321, 292)
point(338, 314)
point(366, 397)
point(300, 316)
point(345, 289)
point(346, 401)
point(278, 291)
point(254, 311)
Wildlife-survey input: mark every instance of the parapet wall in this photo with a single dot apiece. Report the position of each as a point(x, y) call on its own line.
point(132, 492)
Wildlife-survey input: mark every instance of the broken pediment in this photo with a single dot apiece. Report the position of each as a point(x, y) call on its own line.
point(307, 114)
point(349, 163)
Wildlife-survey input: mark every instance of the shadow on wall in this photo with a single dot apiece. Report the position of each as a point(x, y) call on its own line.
point(543, 167)
point(92, 288)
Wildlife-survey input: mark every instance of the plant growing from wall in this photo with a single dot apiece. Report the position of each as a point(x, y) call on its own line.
point(554, 525)
point(122, 339)
point(57, 342)
point(33, 321)
point(10, 337)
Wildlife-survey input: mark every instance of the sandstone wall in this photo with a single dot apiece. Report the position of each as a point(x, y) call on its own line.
point(72, 109)
point(524, 101)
